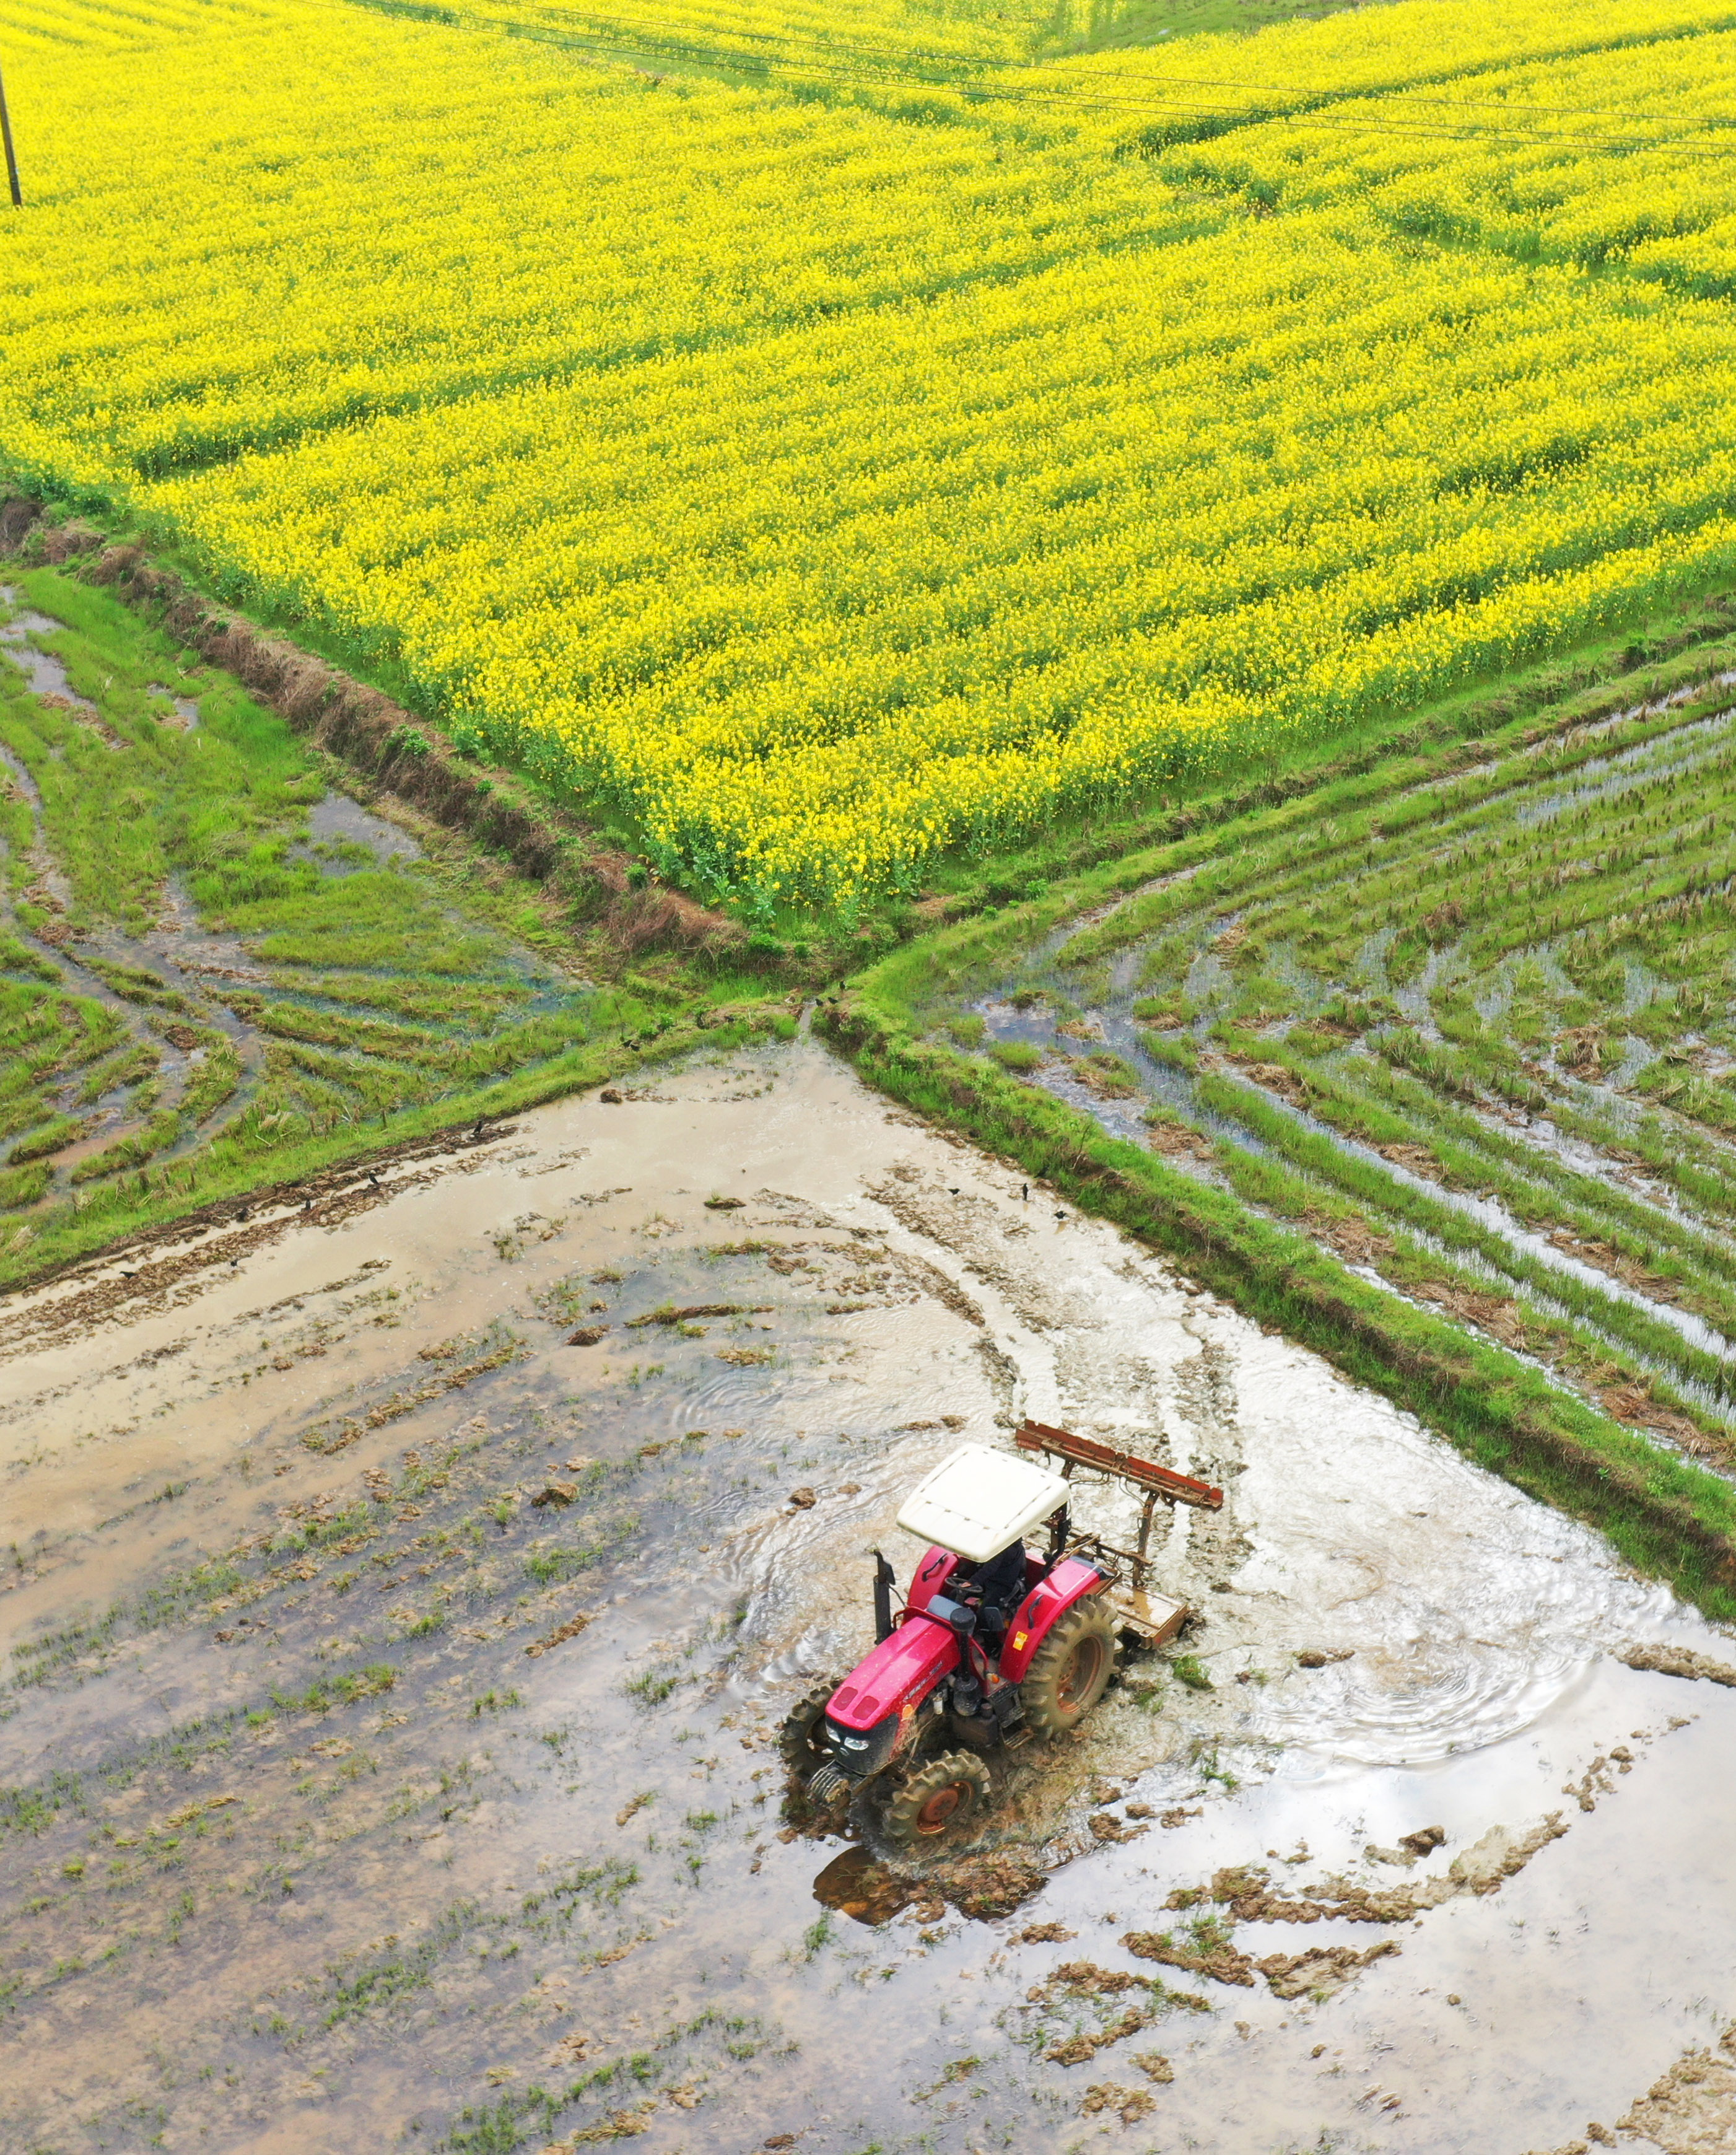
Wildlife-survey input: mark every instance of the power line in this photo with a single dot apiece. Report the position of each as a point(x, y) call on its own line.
point(12, 161)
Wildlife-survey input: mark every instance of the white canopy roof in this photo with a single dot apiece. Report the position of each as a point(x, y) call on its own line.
point(980, 1500)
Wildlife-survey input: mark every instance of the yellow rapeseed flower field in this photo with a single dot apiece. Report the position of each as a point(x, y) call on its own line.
point(884, 444)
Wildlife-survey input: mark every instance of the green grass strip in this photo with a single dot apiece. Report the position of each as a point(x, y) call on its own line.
point(1651, 1338)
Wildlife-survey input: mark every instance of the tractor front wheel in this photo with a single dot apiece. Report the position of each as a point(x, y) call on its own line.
point(938, 1801)
point(1069, 1669)
point(802, 1740)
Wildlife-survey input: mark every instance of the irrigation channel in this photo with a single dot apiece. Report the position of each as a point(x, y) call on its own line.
point(1473, 1034)
point(393, 1690)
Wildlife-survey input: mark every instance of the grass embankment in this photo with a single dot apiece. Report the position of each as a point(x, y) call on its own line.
point(198, 998)
point(582, 850)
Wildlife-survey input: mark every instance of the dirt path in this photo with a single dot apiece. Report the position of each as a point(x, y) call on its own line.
point(361, 1798)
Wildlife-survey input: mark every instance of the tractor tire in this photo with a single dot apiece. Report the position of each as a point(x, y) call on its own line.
point(1070, 1670)
point(940, 1803)
point(800, 1741)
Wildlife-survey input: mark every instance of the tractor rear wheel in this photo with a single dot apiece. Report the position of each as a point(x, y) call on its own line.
point(938, 1802)
point(1069, 1670)
point(802, 1741)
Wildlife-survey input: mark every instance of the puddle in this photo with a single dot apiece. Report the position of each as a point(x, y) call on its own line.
point(45, 674)
point(343, 836)
point(185, 707)
point(1607, 778)
point(278, 1899)
point(81, 961)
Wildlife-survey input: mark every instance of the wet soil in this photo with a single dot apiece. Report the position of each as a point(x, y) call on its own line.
point(390, 1734)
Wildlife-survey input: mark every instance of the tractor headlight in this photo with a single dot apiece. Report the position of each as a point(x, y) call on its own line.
point(863, 1751)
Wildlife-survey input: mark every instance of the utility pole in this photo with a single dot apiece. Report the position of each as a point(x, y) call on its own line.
point(12, 161)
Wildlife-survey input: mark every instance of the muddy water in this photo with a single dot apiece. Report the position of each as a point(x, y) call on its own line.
point(309, 1849)
point(343, 836)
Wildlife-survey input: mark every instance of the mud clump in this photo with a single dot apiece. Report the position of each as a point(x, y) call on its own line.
point(1130, 2105)
point(588, 1335)
point(989, 1885)
point(1691, 2110)
point(1220, 1961)
point(1411, 1848)
point(1319, 1974)
point(1081, 2050)
point(668, 1314)
point(1679, 1661)
point(1076, 1980)
point(562, 1632)
point(1244, 1890)
point(1085, 1978)
point(860, 1885)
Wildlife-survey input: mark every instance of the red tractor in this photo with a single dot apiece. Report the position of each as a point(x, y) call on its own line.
point(995, 1647)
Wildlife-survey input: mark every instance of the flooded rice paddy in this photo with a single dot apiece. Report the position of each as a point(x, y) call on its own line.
point(1473, 1032)
point(391, 1728)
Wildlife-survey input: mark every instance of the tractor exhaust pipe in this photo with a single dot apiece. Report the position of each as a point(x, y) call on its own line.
point(884, 1576)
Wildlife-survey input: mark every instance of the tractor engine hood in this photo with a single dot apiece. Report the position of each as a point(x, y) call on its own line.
point(901, 1670)
point(872, 1714)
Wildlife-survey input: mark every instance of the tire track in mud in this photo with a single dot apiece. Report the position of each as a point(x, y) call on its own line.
point(197, 1245)
point(1050, 1351)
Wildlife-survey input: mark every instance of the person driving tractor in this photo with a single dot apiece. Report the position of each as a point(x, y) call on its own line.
point(994, 1588)
point(997, 1586)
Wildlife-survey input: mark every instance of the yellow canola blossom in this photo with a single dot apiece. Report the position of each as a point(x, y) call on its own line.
point(820, 484)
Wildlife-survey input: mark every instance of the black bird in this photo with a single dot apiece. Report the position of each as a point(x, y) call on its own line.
point(307, 1204)
point(1060, 1215)
point(127, 1275)
point(234, 1264)
point(952, 1192)
point(1024, 1193)
point(374, 1179)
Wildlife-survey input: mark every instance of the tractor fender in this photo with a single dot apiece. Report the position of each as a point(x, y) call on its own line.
point(929, 1577)
point(897, 1676)
point(1070, 1581)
